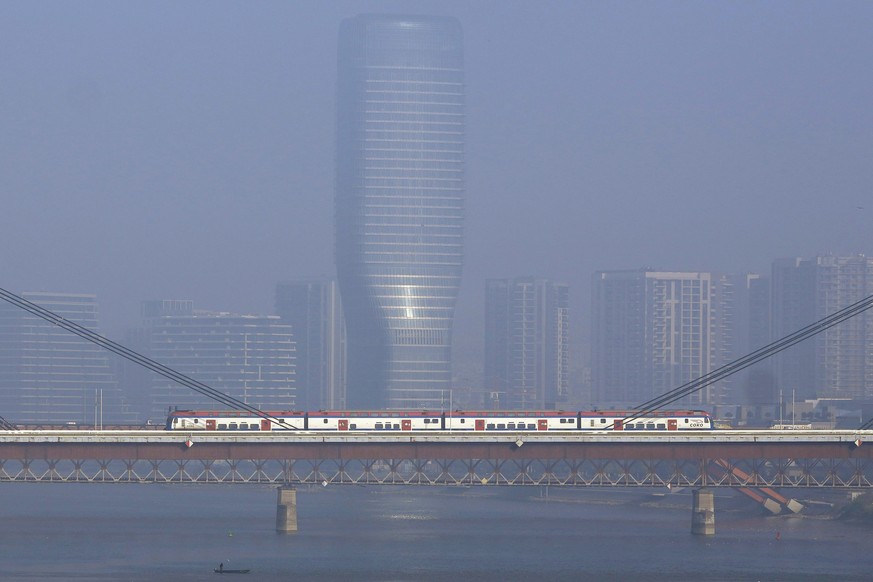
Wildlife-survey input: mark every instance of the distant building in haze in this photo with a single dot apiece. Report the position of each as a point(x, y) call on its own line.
point(49, 375)
point(526, 343)
point(248, 357)
point(313, 310)
point(754, 385)
point(399, 205)
point(654, 331)
point(837, 363)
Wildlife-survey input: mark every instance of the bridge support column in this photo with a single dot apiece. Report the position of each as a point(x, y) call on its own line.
point(286, 510)
point(703, 513)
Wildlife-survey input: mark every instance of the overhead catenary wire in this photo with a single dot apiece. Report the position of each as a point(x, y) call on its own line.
point(734, 366)
point(137, 358)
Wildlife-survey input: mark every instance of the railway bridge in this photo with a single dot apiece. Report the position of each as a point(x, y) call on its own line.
point(755, 462)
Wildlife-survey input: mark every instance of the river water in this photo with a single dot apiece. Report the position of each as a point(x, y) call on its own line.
point(182, 532)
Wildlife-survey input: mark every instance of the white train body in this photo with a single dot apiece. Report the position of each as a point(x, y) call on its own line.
point(376, 421)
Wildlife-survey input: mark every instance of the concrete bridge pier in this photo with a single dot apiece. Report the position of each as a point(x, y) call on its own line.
point(286, 510)
point(703, 513)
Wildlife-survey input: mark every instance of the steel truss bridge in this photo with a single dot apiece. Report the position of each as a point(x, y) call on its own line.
point(730, 458)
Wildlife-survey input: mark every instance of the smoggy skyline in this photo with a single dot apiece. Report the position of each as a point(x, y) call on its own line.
point(167, 150)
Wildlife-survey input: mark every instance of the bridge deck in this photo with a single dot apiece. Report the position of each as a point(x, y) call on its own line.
point(402, 437)
point(717, 458)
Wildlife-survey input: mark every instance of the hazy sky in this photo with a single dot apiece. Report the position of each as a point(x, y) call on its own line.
point(185, 149)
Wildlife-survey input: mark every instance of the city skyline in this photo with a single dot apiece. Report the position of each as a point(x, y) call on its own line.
point(683, 325)
point(202, 167)
point(167, 163)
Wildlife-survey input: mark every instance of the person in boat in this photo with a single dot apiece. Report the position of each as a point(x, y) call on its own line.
point(221, 567)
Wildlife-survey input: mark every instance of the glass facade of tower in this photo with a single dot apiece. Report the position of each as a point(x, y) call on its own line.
point(399, 205)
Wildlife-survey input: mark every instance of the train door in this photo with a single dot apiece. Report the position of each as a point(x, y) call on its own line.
point(672, 424)
point(343, 424)
point(542, 424)
point(618, 425)
point(210, 424)
point(405, 424)
point(265, 424)
point(480, 424)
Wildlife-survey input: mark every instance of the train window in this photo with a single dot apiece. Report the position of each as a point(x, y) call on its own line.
point(353, 426)
point(511, 425)
point(490, 426)
point(686, 421)
point(196, 420)
point(531, 426)
point(378, 426)
point(462, 420)
point(661, 426)
point(222, 427)
point(435, 420)
point(501, 426)
point(325, 421)
point(254, 426)
point(650, 426)
point(602, 421)
point(396, 427)
point(233, 426)
point(426, 421)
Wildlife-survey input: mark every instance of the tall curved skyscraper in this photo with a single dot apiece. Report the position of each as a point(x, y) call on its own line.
point(399, 205)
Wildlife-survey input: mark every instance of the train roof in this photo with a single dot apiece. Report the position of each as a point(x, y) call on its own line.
point(432, 413)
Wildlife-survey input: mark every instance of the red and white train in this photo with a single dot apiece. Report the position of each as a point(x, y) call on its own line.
point(374, 421)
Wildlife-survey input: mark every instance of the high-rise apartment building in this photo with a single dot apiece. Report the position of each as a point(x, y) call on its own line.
point(399, 205)
point(526, 343)
point(837, 363)
point(49, 375)
point(753, 385)
point(248, 357)
point(654, 331)
point(313, 310)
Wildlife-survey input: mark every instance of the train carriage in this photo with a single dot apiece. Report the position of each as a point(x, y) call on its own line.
point(474, 421)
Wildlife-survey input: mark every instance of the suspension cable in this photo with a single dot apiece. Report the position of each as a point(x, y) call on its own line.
point(753, 358)
point(138, 358)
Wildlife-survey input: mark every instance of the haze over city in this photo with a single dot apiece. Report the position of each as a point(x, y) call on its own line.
point(276, 198)
point(186, 150)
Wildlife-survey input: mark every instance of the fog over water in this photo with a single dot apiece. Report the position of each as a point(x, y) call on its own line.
point(186, 150)
point(149, 532)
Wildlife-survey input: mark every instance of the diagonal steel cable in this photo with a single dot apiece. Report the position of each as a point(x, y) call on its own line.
point(137, 358)
point(753, 358)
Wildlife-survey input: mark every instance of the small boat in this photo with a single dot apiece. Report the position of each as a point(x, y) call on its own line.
point(222, 570)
